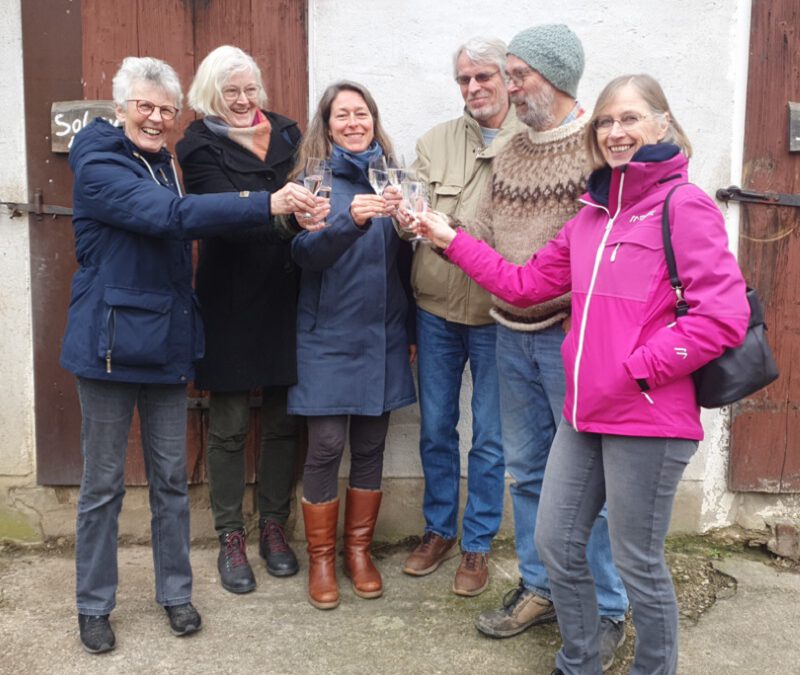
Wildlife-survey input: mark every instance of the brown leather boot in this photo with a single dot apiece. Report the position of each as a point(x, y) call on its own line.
point(320, 524)
point(361, 512)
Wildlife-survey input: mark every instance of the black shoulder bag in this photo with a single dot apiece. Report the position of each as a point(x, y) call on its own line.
point(739, 371)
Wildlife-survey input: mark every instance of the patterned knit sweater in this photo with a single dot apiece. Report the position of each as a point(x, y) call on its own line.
point(536, 182)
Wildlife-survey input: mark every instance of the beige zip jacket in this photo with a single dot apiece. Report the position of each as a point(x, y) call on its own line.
point(456, 166)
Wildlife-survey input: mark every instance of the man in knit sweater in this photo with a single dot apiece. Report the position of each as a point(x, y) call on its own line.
point(454, 159)
point(536, 182)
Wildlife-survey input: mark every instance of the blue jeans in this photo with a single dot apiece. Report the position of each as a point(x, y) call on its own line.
point(638, 477)
point(107, 412)
point(531, 398)
point(444, 348)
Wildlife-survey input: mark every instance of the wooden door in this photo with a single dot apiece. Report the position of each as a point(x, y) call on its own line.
point(71, 50)
point(765, 432)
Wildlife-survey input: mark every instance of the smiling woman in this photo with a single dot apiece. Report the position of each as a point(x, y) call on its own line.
point(134, 332)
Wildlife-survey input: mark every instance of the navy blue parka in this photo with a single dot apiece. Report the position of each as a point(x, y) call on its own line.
point(353, 331)
point(133, 316)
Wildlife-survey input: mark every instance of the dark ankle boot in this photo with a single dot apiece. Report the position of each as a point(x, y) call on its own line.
point(320, 524)
point(275, 549)
point(361, 512)
point(235, 573)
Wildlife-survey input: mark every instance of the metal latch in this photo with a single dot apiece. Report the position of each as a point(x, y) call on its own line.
point(737, 194)
point(37, 207)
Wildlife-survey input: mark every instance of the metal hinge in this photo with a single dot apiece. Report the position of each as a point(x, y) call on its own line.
point(737, 194)
point(37, 207)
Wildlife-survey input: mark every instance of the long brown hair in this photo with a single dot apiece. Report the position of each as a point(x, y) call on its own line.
point(652, 93)
point(317, 142)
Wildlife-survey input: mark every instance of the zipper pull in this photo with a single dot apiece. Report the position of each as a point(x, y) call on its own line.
point(614, 254)
point(108, 360)
point(647, 396)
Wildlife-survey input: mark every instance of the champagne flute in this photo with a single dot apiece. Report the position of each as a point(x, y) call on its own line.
point(377, 174)
point(326, 184)
point(395, 172)
point(313, 176)
point(415, 201)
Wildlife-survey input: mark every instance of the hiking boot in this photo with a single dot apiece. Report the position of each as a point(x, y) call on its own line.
point(96, 634)
point(612, 636)
point(472, 575)
point(521, 609)
point(183, 619)
point(235, 573)
point(431, 552)
point(274, 548)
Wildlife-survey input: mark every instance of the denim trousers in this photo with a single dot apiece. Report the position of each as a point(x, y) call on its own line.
point(532, 388)
point(228, 424)
point(327, 436)
point(638, 478)
point(106, 416)
point(443, 349)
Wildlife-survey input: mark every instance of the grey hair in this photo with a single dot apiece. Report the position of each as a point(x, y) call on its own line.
point(482, 50)
point(205, 94)
point(135, 69)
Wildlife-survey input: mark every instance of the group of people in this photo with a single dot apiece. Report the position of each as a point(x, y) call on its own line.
point(545, 272)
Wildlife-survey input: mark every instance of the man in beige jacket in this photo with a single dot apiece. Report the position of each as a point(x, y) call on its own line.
point(454, 160)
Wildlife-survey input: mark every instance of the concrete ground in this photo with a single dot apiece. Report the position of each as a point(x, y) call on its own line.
point(418, 626)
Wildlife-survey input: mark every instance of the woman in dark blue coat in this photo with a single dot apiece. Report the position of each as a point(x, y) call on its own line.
point(353, 343)
point(134, 331)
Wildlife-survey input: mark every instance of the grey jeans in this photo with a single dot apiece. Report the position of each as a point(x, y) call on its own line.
point(637, 477)
point(106, 415)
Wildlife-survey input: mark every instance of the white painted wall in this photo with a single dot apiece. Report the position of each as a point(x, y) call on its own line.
point(16, 365)
point(402, 51)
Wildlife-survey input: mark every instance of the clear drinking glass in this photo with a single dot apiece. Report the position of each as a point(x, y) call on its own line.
point(317, 175)
point(415, 201)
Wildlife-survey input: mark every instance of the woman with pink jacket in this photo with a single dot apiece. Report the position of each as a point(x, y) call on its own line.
point(631, 420)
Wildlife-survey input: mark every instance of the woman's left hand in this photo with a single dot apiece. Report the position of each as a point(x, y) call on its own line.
point(393, 198)
point(365, 207)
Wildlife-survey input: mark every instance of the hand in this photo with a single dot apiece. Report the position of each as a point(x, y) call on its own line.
point(290, 198)
point(315, 220)
point(436, 227)
point(406, 220)
point(393, 198)
point(566, 324)
point(367, 206)
point(412, 354)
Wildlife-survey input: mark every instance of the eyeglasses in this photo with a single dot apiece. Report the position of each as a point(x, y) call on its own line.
point(518, 75)
point(146, 108)
point(233, 93)
point(606, 123)
point(480, 78)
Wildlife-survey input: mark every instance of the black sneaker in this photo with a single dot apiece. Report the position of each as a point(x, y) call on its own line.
point(612, 636)
point(235, 573)
point(275, 549)
point(96, 634)
point(183, 619)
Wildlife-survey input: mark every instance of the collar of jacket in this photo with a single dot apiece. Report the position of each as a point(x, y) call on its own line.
point(650, 166)
point(508, 128)
point(198, 135)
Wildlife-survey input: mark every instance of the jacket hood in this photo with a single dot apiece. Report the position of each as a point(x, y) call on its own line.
point(102, 136)
point(613, 189)
point(599, 184)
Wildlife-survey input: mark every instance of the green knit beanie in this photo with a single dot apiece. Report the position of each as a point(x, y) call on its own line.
point(554, 51)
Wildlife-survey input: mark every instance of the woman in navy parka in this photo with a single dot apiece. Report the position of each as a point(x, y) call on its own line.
point(134, 331)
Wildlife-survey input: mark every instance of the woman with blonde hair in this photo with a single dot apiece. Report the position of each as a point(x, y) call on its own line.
point(247, 286)
point(631, 421)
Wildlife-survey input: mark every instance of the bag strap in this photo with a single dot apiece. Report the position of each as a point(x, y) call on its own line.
point(681, 306)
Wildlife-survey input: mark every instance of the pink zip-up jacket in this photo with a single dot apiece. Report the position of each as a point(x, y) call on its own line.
point(624, 328)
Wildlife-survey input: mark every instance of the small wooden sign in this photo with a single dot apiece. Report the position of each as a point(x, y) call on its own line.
point(794, 127)
point(67, 118)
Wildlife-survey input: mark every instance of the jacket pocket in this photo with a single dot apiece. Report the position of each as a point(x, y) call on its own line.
point(135, 328)
point(446, 197)
point(634, 262)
